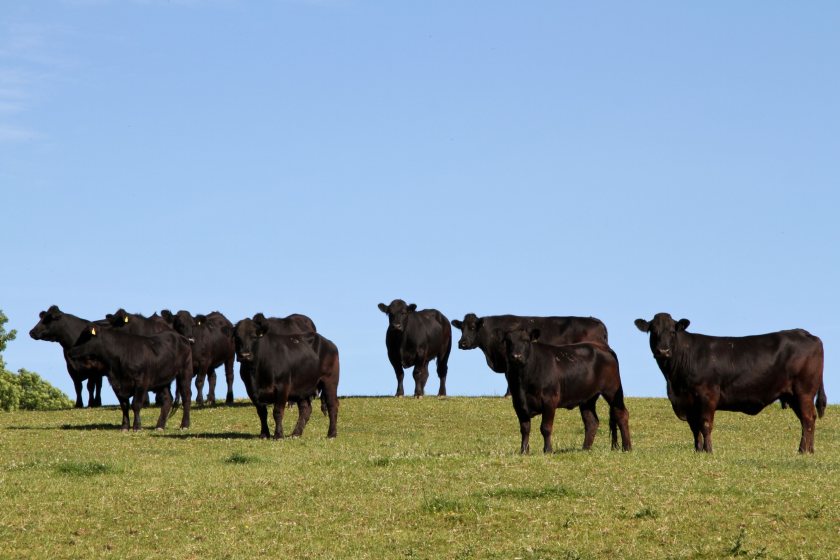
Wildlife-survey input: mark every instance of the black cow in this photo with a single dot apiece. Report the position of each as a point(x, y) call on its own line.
point(136, 323)
point(287, 368)
point(740, 374)
point(543, 378)
point(211, 336)
point(293, 324)
point(487, 333)
point(415, 338)
point(56, 326)
point(138, 364)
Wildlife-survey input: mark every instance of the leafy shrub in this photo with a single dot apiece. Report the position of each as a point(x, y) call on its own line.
point(27, 391)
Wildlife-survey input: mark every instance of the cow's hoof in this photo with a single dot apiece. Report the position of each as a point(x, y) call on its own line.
point(159, 429)
point(124, 430)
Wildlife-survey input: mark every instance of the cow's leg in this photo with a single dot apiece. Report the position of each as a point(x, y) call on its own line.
point(199, 384)
point(421, 375)
point(165, 406)
point(262, 412)
point(229, 380)
point(707, 422)
point(590, 422)
point(279, 410)
point(442, 367)
point(77, 385)
point(91, 387)
point(694, 423)
point(396, 363)
point(619, 418)
point(524, 431)
point(211, 386)
point(186, 397)
point(807, 414)
point(546, 427)
point(97, 401)
point(329, 402)
point(304, 410)
point(124, 406)
point(136, 406)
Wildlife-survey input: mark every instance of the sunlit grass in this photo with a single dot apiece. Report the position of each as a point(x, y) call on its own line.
point(406, 478)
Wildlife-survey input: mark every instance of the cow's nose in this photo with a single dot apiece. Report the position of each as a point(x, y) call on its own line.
point(664, 352)
point(398, 326)
point(517, 356)
point(462, 345)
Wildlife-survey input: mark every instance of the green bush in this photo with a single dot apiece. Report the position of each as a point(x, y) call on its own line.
point(27, 391)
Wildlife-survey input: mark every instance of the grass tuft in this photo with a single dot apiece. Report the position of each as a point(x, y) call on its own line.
point(238, 458)
point(546, 492)
point(90, 468)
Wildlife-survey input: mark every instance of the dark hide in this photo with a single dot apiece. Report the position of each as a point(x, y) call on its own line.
point(740, 374)
point(413, 339)
point(138, 364)
point(211, 336)
point(56, 326)
point(543, 378)
point(293, 324)
point(279, 369)
point(487, 333)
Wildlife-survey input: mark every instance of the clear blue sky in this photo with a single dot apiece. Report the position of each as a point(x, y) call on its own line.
point(323, 156)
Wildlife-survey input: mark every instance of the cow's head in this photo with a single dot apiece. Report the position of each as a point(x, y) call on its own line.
point(663, 333)
point(184, 324)
point(49, 325)
point(119, 318)
point(469, 328)
point(518, 344)
point(246, 333)
point(84, 351)
point(168, 316)
point(398, 312)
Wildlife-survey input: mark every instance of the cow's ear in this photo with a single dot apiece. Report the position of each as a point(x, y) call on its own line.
point(534, 335)
point(412, 307)
point(642, 325)
point(457, 324)
point(91, 329)
point(42, 314)
point(383, 308)
point(166, 314)
point(54, 309)
point(682, 324)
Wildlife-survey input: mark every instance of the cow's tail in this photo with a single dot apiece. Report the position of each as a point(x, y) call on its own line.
point(822, 400)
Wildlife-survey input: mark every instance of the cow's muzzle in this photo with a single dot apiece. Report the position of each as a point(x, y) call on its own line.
point(663, 352)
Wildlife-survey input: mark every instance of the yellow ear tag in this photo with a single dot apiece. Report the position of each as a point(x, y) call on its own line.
point(199, 323)
point(93, 331)
point(125, 319)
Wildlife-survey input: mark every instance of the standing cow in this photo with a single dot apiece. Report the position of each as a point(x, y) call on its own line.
point(211, 337)
point(287, 368)
point(543, 378)
point(487, 333)
point(138, 364)
point(739, 374)
point(56, 326)
point(414, 338)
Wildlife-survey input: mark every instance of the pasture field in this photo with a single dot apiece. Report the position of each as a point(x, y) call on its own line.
point(406, 478)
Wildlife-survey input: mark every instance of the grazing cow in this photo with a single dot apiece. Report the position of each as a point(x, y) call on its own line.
point(287, 368)
point(56, 326)
point(211, 336)
point(487, 333)
point(739, 374)
point(138, 364)
point(414, 338)
point(543, 378)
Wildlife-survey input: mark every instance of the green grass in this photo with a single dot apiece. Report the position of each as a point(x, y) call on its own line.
point(406, 478)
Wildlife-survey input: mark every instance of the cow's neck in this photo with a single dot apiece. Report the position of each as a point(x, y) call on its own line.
point(496, 358)
point(679, 359)
point(71, 331)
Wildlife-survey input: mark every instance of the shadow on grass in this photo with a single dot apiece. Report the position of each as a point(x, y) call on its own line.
point(211, 435)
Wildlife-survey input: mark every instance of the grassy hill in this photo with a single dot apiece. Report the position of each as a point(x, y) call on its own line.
point(430, 478)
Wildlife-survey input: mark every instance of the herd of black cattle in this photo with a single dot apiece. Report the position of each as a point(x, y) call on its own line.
point(549, 362)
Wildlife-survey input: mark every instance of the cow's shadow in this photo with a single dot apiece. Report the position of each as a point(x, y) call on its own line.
point(211, 435)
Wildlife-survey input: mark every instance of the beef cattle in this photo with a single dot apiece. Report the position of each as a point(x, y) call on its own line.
point(543, 378)
point(414, 338)
point(138, 364)
point(487, 333)
point(293, 324)
point(739, 374)
point(56, 326)
point(211, 336)
point(287, 368)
